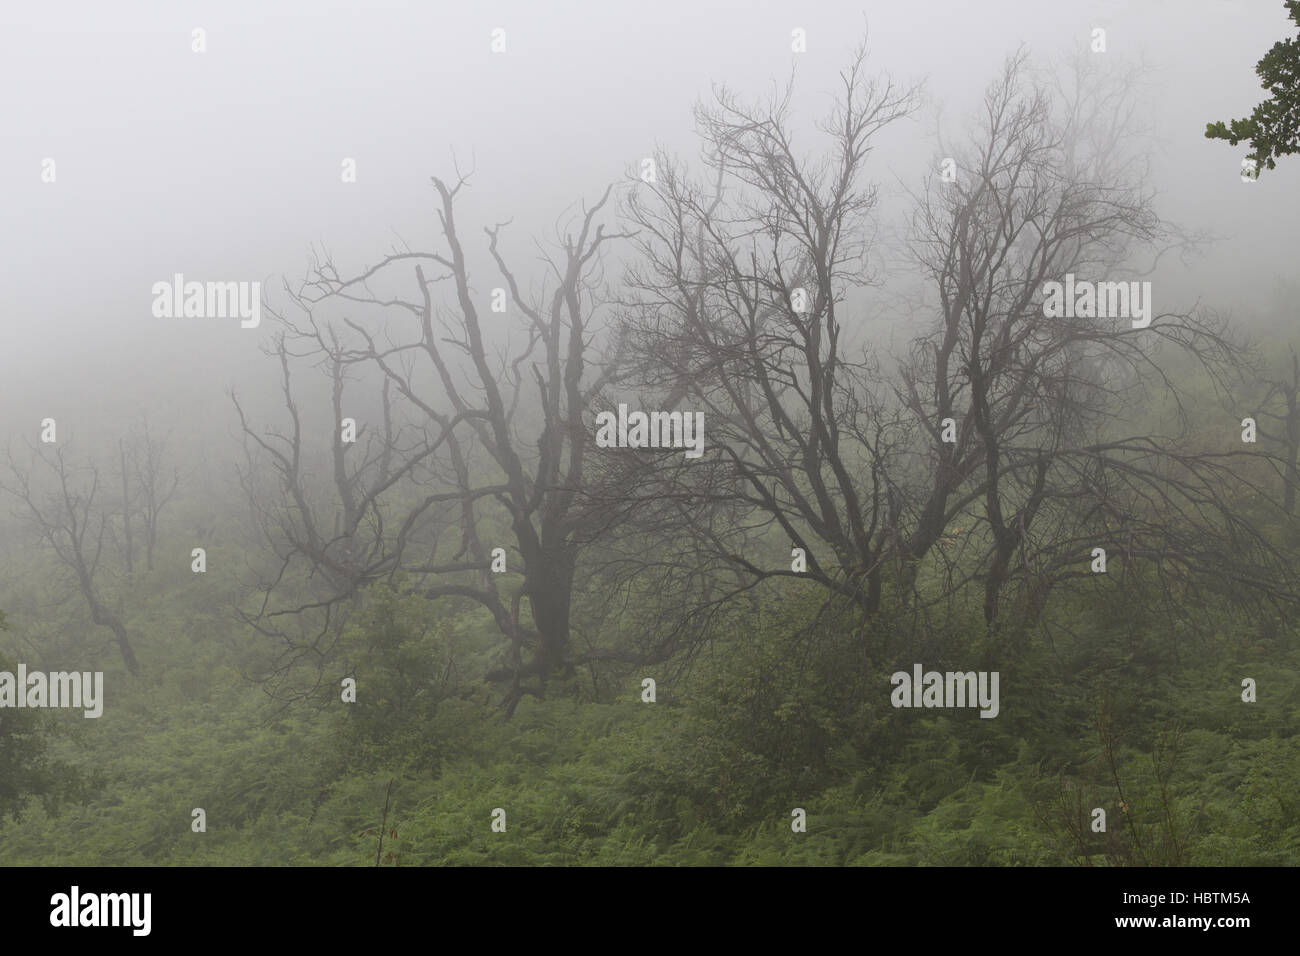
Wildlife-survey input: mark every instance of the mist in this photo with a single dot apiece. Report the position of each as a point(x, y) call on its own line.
point(697, 434)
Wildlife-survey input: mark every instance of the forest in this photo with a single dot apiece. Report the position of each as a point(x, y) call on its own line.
point(619, 538)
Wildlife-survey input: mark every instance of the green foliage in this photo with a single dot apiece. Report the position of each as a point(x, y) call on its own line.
point(27, 768)
point(1104, 704)
point(1273, 127)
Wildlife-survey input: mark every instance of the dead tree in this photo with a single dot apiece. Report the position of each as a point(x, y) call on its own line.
point(1044, 462)
point(481, 444)
point(1002, 430)
point(67, 520)
point(127, 507)
point(742, 287)
point(156, 483)
point(1288, 439)
point(328, 525)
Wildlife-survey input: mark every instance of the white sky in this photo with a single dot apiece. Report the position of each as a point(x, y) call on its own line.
point(225, 165)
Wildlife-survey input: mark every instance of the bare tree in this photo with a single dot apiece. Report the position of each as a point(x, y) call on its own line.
point(148, 487)
point(1288, 439)
point(128, 507)
point(480, 445)
point(67, 520)
point(998, 448)
point(1045, 464)
point(742, 290)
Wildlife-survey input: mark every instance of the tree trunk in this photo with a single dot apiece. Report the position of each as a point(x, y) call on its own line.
point(126, 509)
point(106, 618)
point(550, 595)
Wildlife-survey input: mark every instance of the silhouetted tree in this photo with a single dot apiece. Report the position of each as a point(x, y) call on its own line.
point(67, 519)
point(476, 447)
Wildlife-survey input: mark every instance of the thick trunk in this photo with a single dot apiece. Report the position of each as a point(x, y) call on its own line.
point(873, 588)
point(105, 618)
point(550, 595)
point(997, 577)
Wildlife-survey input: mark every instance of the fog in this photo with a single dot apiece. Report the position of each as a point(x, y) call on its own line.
point(786, 461)
point(226, 164)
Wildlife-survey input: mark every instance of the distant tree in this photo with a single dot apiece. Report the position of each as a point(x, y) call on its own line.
point(147, 488)
point(1273, 129)
point(67, 519)
point(156, 483)
point(128, 509)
